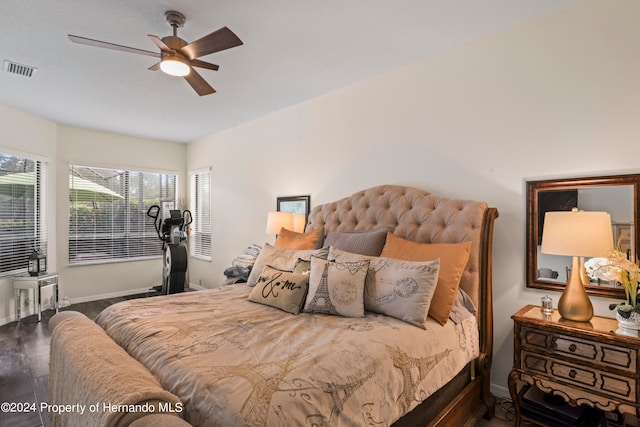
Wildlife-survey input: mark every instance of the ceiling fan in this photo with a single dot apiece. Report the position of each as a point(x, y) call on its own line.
point(177, 57)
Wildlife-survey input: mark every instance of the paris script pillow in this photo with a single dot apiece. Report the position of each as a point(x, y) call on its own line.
point(281, 289)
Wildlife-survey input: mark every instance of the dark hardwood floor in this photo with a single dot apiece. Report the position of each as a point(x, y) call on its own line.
point(24, 362)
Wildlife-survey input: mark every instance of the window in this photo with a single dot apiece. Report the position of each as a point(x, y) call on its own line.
point(22, 211)
point(108, 213)
point(201, 210)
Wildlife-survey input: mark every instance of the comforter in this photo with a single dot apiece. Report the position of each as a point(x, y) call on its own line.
point(236, 362)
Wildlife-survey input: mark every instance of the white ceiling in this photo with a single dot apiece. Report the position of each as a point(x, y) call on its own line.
point(293, 50)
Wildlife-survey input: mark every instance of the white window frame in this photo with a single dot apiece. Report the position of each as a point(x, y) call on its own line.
point(136, 225)
point(16, 261)
point(201, 228)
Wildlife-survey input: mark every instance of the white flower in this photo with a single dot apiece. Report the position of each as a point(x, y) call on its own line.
point(616, 267)
point(601, 268)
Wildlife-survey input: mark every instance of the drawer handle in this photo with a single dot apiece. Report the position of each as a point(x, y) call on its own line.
point(573, 373)
point(572, 348)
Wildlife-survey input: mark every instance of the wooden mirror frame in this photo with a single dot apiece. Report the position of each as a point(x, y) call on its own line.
point(534, 187)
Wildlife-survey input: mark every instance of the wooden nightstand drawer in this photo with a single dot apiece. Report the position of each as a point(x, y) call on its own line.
point(584, 363)
point(582, 376)
point(600, 353)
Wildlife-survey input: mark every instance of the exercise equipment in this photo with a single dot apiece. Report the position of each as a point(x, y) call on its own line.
point(172, 230)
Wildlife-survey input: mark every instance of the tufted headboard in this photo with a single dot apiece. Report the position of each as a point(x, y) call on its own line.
point(416, 215)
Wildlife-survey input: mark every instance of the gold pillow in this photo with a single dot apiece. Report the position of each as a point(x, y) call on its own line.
point(453, 260)
point(288, 239)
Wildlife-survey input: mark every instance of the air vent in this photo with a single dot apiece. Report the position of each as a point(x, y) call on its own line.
point(22, 70)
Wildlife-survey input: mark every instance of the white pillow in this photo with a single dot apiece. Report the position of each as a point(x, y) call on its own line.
point(336, 287)
point(397, 288)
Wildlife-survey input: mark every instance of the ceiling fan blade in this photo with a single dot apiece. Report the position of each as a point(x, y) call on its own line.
point(158, 42)
point(199, 84)
point(202, 64)
point(98, 43)
point(155, 67)
point(219, 40)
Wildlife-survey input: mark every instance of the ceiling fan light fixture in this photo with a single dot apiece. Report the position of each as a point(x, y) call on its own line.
point(175, 66)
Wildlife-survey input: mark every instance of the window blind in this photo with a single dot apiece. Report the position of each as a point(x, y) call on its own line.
point(201, 210)
point(108, 213)
point(22, 212)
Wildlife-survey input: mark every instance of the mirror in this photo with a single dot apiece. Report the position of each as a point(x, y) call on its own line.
point(616, 194)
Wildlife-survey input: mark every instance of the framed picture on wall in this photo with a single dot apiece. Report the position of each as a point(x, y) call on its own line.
point(294, 204)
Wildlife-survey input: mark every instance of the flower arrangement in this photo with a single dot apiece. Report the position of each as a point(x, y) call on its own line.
point(617, 267)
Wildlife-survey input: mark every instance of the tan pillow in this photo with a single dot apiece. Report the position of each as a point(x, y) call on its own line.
point(281, 289)
point(453, 260)
point(288, 239)
point(282, 259)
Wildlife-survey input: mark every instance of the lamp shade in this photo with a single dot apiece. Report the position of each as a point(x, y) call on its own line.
point(278, 220)
point(585, 234)
point(299, 221)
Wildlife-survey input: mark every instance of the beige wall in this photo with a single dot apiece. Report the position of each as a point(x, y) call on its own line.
point(64, 145)
point(557, 97)
point(103, 149)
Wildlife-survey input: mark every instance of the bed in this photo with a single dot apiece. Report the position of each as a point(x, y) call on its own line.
point(228, 356)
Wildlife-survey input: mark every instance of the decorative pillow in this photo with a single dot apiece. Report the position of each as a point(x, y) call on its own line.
point(462, 308)
point(400, 289)
point(364, 242)
point(336, 287)
point(302, 266)
point(283, 259)
point(288, 239)
point(453, 260)
point(281, 289)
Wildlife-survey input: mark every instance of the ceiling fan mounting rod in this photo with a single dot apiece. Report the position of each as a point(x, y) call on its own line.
point(175, 19)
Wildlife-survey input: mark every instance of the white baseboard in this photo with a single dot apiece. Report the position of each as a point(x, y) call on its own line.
point(500, 391)
point(196, 287)
point(109, 295)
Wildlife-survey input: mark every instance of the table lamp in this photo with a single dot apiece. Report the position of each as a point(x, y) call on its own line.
point(577, 234)
point(299, 222)
point(278, 220)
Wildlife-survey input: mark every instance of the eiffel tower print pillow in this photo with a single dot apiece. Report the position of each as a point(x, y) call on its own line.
point(397, 288)
point(336, 287)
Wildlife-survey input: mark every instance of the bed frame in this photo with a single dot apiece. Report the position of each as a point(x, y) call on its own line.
point(417, 215)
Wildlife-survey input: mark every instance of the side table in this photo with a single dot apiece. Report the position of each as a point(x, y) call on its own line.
point(584, 363)
point(26, 281)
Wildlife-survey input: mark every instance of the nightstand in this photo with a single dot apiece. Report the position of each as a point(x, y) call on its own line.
point(26, 281)
point(584, 363)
